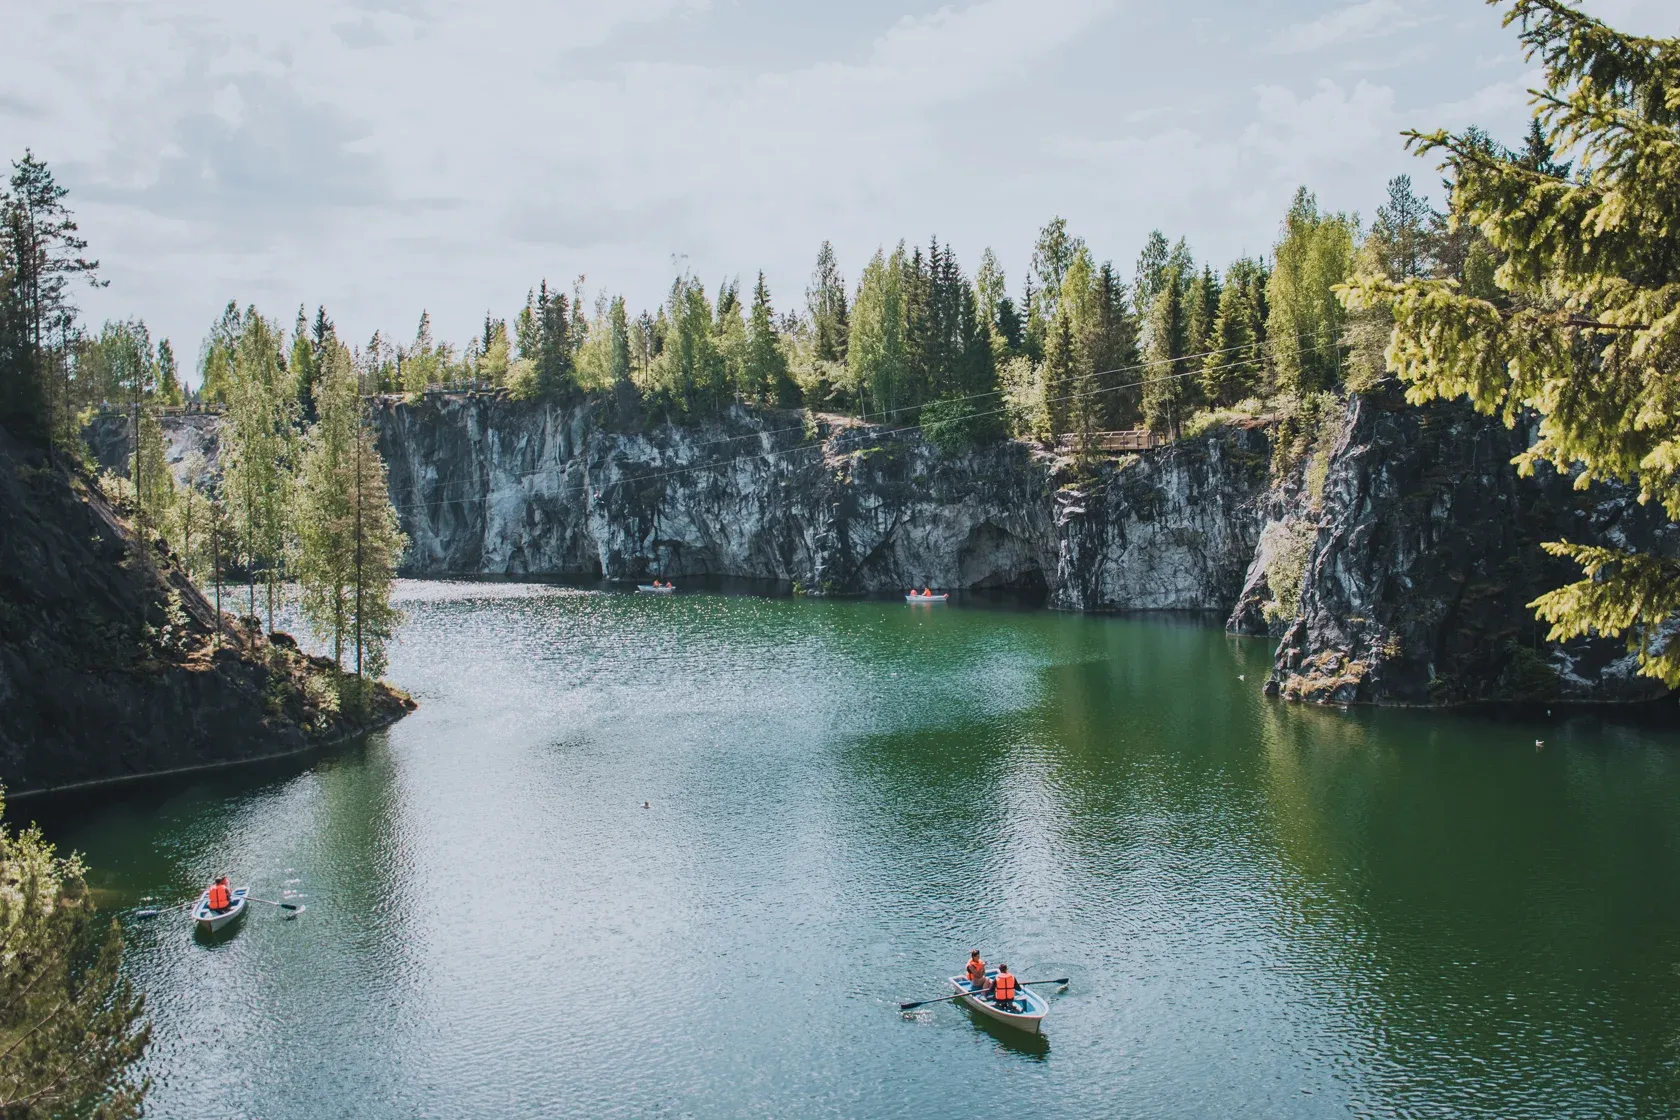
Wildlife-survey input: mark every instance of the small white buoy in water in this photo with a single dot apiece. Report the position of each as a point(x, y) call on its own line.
point(1539, 743)
point(1242, 676)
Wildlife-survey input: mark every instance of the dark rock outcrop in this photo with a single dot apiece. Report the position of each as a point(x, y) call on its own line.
point(110, 661)
point(1427, 555)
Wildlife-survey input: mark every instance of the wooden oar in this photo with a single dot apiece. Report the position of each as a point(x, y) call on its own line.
point(266, 902)
point(981, 992)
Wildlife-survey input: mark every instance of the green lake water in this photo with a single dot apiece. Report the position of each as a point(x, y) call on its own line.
point(1265, 910)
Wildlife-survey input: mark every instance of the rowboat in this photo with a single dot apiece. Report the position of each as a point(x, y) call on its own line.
point(209, 921)
point(1033, 1007)
point(927, 598)
point(649, 589)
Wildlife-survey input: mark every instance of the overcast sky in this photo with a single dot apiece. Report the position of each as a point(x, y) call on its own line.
point(381, 158)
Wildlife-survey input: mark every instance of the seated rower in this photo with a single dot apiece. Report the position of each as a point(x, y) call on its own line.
point(976, 971)
point(1004, 989)
point(927, 592)
point(220, 898)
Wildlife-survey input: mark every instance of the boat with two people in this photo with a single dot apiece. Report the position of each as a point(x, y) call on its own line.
point(997, 994)
point(926, 595)
point(657, 588)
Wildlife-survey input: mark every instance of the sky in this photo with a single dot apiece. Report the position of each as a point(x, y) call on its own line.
point(381, 158)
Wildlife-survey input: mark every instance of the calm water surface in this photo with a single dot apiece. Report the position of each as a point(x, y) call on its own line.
point(1266, 911)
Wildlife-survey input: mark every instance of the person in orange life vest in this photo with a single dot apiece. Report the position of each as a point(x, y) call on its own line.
point(976, 971)
point(1004, 988)
point(927, 592)
point(221, 898)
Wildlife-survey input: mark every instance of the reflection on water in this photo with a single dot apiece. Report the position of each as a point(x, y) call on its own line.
point(1265, 910)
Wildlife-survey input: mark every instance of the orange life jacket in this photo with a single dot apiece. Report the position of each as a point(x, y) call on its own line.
point(976, 972)
point(1003, 988)
point(219, 897)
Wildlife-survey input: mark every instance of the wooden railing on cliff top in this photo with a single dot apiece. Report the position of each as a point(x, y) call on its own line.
point(1135, 439)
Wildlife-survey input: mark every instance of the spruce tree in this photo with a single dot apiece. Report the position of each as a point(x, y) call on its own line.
point(1201, 309)
point(1583, 327)
point(301, 365)
point(825, 300)
point(766, 377)
point(1169, 393)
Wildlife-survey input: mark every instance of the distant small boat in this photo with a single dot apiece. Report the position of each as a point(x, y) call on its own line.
point(208, 920)
point(913, 598)
point(650, 589)
point(1033, 1007)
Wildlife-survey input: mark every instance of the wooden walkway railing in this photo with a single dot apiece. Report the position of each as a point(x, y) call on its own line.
point(1135, 439)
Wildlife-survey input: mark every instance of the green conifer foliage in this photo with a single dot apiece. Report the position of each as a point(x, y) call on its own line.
point(258, 454)
point(1584, 328)
point(1306, 321)
point(765, 372)
point(71, 1028)
point(1169, 393)
point(876, 359)
point(1232, 366)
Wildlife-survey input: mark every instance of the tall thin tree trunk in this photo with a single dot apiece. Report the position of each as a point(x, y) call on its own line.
point(216, 564)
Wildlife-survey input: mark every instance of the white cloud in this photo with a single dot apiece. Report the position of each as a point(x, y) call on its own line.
point(1366, 20)
point(446, 153)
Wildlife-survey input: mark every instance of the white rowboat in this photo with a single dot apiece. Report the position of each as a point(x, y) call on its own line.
point(926, 598)
point(649, 589)
point(1032, 1006)
point(208, 920)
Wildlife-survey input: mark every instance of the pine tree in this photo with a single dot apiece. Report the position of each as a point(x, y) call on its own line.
point(215, 367)
point(1201, 309)
point(1151, 268)
point(1584, 326)
point(348, 541)
point(40, 253)
point(326, 511)
point(554, 367)
point(1306, 322)
point(1061, 371)
point(1113, 354)
point(876, 358)
point(766, 374)
point(1053, 254)
point(72, 1029)
point(155, 493)
point(1233, 364)
point(1169, 393)
point(825, 300)
point(258, 455)
point(168, 376)
point(301, 366)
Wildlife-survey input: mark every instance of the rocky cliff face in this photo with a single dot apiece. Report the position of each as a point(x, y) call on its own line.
point(486, 485)
point(1426, 556)
point(191, 442)
point(1407, 549)
point(110, 665)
